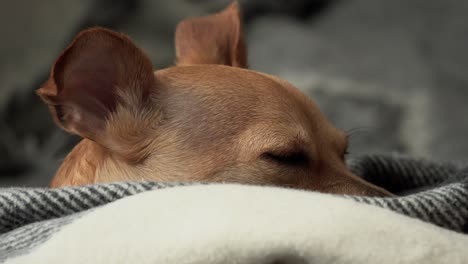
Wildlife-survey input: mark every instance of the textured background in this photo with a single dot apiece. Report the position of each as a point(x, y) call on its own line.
point(393, 72)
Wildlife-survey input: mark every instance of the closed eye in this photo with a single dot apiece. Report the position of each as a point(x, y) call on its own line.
point(286, 158)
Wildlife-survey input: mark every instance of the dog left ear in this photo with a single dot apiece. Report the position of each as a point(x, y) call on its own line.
point(98, 72)
point(213, 39)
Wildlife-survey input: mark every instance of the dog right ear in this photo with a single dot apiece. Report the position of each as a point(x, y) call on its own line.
point(98, 72)
point(213, 39)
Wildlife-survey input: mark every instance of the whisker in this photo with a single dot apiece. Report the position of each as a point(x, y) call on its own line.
point(351, 132)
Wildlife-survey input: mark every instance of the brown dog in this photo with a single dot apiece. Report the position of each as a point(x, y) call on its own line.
point(208, 119)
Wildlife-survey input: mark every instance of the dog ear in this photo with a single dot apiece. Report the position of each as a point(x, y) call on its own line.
point(99, 71)
point(214, 39)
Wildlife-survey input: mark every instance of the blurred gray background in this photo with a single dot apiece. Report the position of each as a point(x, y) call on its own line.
point(393, 73)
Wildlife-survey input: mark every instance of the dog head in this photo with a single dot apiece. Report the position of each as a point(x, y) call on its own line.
point(207, 119)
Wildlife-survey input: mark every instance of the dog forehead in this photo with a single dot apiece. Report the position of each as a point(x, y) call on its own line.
point(211, 74)
point(219, 81)
point(201, 95)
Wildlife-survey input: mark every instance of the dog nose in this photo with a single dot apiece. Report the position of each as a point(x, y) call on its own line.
point(365, 188)
point(378, 192)
point(360, 190)
point(351, 184)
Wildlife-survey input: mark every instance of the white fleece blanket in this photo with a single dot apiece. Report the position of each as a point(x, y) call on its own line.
point(246, 224)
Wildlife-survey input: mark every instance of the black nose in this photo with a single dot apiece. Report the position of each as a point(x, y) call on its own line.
point(379, 193)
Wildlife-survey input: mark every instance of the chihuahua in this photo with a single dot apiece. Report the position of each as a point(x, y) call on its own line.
point(207, 119)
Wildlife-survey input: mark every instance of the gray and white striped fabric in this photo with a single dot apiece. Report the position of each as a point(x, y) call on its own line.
point(28, 217)
point(433, 192)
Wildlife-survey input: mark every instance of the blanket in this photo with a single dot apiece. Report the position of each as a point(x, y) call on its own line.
point(38, 224)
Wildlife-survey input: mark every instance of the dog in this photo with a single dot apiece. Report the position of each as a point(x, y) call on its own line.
point(206, 119)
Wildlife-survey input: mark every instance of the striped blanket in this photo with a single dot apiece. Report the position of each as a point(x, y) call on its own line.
point(432, 192)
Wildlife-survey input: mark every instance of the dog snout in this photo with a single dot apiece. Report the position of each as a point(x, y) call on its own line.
point(363, 188)
point(345, 182)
